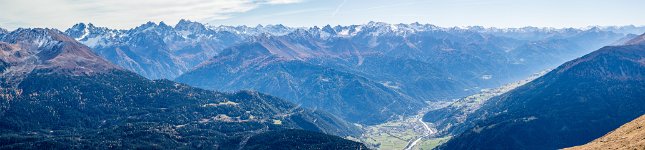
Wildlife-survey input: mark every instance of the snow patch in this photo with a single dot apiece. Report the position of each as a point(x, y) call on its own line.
point(487, 77)
point(86, 32)
point(92, 42)
point(391, 85)
point(184, 34)
point(226, 103)
point(324, 79)
point(344, 32)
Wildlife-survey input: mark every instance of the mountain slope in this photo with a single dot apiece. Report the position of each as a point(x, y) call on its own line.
point(640, 40)
point(306, 140)
point(69, 98)
point(46, 51)
point(251, 66)
point(579, 101)
point(448, 120)
point(629, 136)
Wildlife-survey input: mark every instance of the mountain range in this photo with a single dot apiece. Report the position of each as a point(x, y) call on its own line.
point(195, 86)
point(160, 51)
point(396, 67)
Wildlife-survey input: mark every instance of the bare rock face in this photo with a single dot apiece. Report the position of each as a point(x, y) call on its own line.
point(24, 51)
point(628, 136)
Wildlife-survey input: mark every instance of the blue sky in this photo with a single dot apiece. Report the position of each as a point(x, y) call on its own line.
point(124, 14)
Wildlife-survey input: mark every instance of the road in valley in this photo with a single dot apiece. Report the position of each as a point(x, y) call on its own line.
point(429, 131)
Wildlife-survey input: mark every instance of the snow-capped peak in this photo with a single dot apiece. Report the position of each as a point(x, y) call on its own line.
point(3, 31)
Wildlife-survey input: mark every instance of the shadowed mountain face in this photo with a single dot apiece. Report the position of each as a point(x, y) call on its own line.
point(57, 94)
point(306, 140)
point(579, 101)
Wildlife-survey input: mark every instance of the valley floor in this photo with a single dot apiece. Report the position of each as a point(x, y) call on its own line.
point(409, 133)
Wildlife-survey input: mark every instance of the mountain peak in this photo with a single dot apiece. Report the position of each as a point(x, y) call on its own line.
point(79, 25)
point(181, 21)
point(328, 29)
point(640, 40)
point(78, 30)
point(164, 25)
point(146, 26)
point(48, 51)
point(82, 26)
point(150, 23)
point(81, 30)
point(188, 25)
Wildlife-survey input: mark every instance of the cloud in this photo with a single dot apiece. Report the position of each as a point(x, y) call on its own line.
point(338, 8)
point(283, 1)
point(121, 13)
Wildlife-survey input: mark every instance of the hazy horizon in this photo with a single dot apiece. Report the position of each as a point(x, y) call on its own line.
point(332, 25)
point(122, 14)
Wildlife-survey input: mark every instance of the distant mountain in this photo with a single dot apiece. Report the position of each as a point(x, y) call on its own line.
point(628, 136)
point(624, 29)
point(624, 40)
point(57, 94)
point(579, 101)
point(640, 40)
